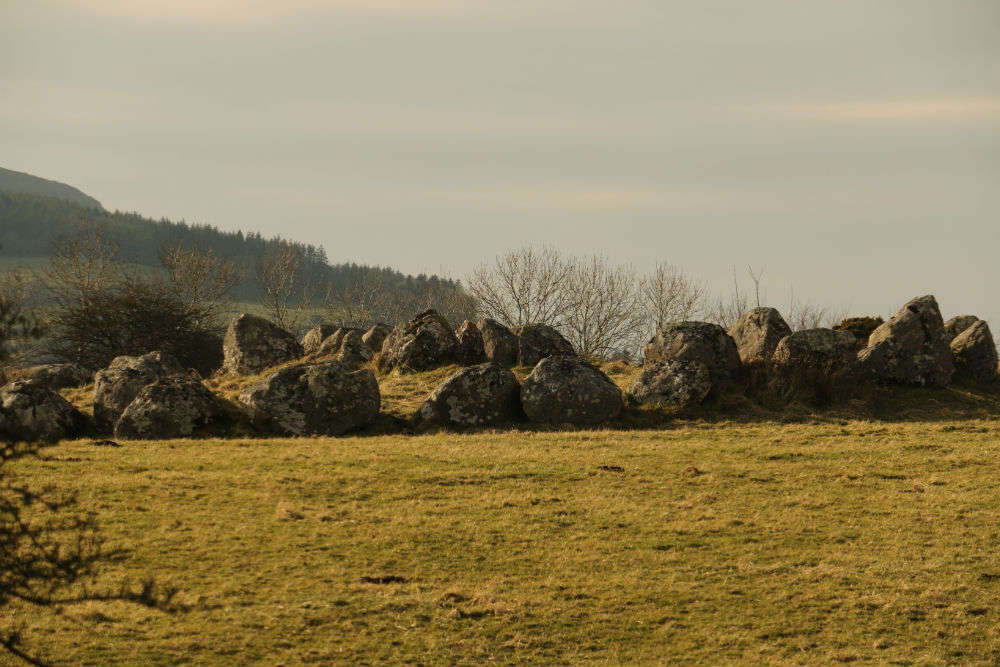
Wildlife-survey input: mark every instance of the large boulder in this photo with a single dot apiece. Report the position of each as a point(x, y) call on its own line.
point(671, 383)
point(313, 399)
point(314, 338)
point(470, 344)
point(538, 341)
point(823, 349)
point(975, 354)
point(481, 395)
point(375, 337)
point(31, 412)
point(174, 407)
point(332, 343)
point(757, 333)
point(353, 351)
point(58, 376)
point(957, 325)
point(117, 385)
point(253, 344)
point(425, 342)
point(566, 389)
point(703, 342)
point(910, 348)
point(499, 342)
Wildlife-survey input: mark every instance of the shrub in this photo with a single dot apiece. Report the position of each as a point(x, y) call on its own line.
point(861, 327)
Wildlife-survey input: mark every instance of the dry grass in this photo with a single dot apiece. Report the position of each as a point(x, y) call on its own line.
point(706, 544)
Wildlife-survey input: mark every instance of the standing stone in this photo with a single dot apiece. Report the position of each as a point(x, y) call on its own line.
point(757, 333)
point(957, 325)
point(31, 412)
point(911, 348)
point(568, 390)
point(375, 336)
point(470, 344)
point(314, 338)
point(253, 344)
point(817, 348)
point(313, 399)
point(671, 383)
point(703, 342)
point(538, 341)
point(174, 407)
point(353, 351)
point(425, 342)
point(975, 354)
point(483, 395)
point(499, 343)
point(117, 385)
point(58, 376)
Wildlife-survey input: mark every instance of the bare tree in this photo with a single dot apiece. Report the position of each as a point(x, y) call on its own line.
point(523, 286)
point(726, 311)
point(604, 311)
point(19, 320)
point(670, 296)
point(361, 303)
point(83, 265)
point(755, 277)
point(800, 316)
point(285, 294)
point(199, 277)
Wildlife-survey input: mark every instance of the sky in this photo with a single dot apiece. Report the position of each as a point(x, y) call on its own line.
point(849, 150)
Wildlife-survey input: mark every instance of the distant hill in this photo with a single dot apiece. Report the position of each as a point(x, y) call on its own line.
point(18, 182)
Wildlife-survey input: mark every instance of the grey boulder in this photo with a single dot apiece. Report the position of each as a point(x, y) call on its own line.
point(757, 333)
point(975, 354)
point(174, 407)
point(375, 337)
point(470, 344)
point(253, 344)
point(910, 348)
point(671, 383)
point(425, 342)
point(482, 395)
point(31, 412)
point(957, 325)
point(499, 342)
point(817, 348)
point(314, 338)
point(353, 351)
point(58, 376)
point(313, 399)
point(703, 342)
point(538, 341)
point(117, 385)
point(565, 389)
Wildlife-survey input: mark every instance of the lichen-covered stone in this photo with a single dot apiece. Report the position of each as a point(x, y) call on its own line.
point(117, 385)
point(482, 395)
point(353, 351)
point(538, 341)
point(957, 325)
point(58, 376)
point(703, 342)
point(671, 383)
point(566, 389)
point(910, 348)
point(817, 348)
point(253, 344)
point(499, 342)
point(757, 333)
point(178, 406)
point(375, 337)
point(314, 338)
point(425, 342)
point(974, 353)
point(313, 399)
point(470, 344)
point(31, 412)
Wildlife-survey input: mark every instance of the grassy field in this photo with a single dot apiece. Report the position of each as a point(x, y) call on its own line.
point(832, 542)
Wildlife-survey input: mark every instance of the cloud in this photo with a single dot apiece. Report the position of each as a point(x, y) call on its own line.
point(944, 109)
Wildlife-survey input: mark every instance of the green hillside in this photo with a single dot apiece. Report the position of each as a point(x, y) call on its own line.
point(16, 181)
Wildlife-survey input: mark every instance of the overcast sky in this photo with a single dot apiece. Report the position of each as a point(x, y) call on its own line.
point(850, 149)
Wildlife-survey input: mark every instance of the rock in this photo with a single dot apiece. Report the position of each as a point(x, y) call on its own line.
point(117, 385)
point(314, 338)
point(253, 344)
point(703, 342)
point(861, 328)
point(332, 343)
point(31, 412)
point(910, 348)
point(313, 399)
point(565, 389)
point(174, 407)
point(817, 348)
point(671, 383)
point(538, 341)
point(470, 344)
point(499, 343)
point(757, 333)
point(353, 351)
point(58, 376)
point(423, 343)
point(957, 325)
point(375, 336)
point(482, 395)
point(975, 354)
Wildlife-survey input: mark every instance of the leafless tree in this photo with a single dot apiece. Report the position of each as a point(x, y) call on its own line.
point(670, 296)
point(83, 265)
point(285, 294)
point(361, 303)
point(605, 310)
point(726, 311)
point(523, 286)
point(199, 277)
point(756, 277)
point(800, 316)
